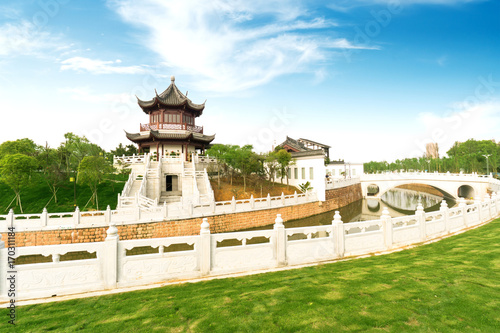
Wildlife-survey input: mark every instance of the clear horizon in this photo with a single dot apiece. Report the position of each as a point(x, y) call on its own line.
point(375, 80)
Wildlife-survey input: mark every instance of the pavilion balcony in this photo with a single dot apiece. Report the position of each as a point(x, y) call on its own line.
point(164, 126)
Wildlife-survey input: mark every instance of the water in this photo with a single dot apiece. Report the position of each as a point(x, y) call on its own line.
point(399, 202)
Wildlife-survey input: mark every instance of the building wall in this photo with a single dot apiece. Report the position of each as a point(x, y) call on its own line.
point(351, 170)
point(219, 223)
point(301, 173)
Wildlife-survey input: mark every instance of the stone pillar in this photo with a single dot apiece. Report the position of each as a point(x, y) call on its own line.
point(10, 218)
point(107, 214)
point(205, 248)
point(387, 227)
point(463, 206)
point(233, 204)
point(119, 205)
point(295, 197)
point(282, 198)
point(477, 203)
point(110, 257)
point(252, 202)
point(4, 267)
point(44, 218)
point(420, 215)
point(280, 244)
point(268, 200)
point(338, 235)
point(446, 217)
point(487, 199)
point(76, 216)
point(165, 210)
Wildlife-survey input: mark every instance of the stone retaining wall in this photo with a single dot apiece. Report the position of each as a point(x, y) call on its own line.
point(186, 227)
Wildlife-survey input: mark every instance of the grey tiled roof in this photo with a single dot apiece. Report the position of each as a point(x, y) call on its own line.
point(152, 134)
point(172, 97)
point(316, 152)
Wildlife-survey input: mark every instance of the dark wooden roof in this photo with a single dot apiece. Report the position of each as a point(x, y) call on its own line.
point(294, 145)
point(152, 134)
point(172, 97)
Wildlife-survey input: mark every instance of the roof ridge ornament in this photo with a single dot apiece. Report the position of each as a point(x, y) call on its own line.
point(172, 79)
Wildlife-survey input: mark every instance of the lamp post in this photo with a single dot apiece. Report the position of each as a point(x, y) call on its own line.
point(487, 163)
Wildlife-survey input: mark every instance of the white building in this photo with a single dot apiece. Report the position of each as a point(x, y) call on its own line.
point(341, 169)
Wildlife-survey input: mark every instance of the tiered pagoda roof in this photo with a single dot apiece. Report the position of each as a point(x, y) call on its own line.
point(172, 97)
point(152, 135)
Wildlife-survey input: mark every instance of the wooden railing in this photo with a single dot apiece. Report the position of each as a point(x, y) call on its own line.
point(164, 126)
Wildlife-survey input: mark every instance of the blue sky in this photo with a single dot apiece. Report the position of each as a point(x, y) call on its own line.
point(373, 79)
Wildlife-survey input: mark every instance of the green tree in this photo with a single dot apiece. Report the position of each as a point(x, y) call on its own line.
point(21, 146)
point(75, 148)
point(92, 171)
point(53, 168)
point(247, 162)
point(305, 187)
point(271, 165)
point(218, 151)
point(284, 160)
point(15, 171)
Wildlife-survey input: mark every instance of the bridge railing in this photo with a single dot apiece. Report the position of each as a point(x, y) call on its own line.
point(119, 263)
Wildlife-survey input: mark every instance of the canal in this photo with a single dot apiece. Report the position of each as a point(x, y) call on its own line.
point(399, 202)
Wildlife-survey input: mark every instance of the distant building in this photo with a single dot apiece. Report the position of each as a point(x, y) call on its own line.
point(302, 145)
point(432, 150)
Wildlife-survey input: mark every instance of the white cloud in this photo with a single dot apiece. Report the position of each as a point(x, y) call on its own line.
point(479, 121)
point(95, 66)
point(232, 45)
point(24, 38)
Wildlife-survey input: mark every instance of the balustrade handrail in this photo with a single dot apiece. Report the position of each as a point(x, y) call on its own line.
point(279, 248)
point(166, 126)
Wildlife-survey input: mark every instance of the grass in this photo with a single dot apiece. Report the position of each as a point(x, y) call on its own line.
point(449, 286)
point(37, 195)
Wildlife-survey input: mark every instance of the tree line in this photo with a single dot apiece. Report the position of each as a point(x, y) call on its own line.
point(468, 157)
point(75, 159)
point(233, 160)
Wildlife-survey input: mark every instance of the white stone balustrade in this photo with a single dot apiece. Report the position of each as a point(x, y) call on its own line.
point(141, 209)
point(207, 254)
point(341, 182)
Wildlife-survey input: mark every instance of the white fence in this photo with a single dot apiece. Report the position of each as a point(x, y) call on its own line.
point(341, 182)
point(115, 266)
point(140, 209)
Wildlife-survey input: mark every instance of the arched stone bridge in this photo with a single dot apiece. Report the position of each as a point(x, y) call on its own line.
point(469, 186)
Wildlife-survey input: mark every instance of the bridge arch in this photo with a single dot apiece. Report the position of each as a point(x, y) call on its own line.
point(442, 192)
point(466, 191)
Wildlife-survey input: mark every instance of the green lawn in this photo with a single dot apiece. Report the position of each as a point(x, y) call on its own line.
point(35, 197)
point(449, 286)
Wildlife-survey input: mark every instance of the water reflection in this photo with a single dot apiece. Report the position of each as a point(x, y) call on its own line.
point(399, 202)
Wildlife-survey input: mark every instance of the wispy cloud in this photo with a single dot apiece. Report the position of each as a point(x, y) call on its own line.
point(24, 38)
point(96, 66)
point(479, 121)
point(233, 45)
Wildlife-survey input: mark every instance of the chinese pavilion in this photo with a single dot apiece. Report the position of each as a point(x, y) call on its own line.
point(171, 126)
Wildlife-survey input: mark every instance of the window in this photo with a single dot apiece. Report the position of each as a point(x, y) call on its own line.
point(172, 118)
point(303, 173)
point(311, 173)
point(333, 172)
point(187, 119)
point(296, 173)
point(289, 173)
point(354, 172)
